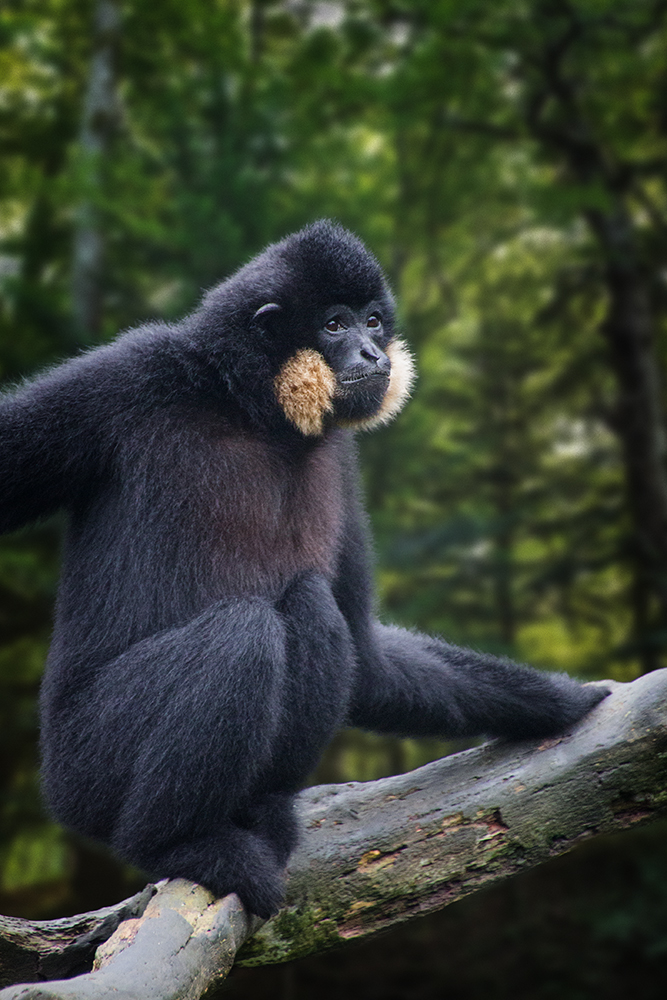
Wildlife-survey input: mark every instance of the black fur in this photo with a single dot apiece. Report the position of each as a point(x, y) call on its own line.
point(214, 623)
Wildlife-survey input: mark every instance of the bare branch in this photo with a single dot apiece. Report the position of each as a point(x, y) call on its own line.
point(46, 949)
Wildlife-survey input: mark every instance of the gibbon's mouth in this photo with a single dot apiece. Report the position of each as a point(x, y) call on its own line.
point(360, 393)
point(361, 376)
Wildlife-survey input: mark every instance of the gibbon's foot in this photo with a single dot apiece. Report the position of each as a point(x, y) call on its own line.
point(261, 889)
point(271, 817)
point(232, 860)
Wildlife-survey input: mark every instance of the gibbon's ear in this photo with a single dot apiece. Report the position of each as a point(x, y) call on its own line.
point(401, 379)
point(268, 307)
point(305, 387)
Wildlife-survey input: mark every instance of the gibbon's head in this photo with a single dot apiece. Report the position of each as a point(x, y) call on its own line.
point(323, 322)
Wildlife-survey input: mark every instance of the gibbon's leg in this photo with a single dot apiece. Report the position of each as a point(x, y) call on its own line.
point(176, 752)
point(313, 699)
point(176, 726)
point(413, 685)
point(271, 817)
point(154, 757)
point(319, 671)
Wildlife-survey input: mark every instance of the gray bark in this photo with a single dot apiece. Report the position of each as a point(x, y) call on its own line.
point(376, 854)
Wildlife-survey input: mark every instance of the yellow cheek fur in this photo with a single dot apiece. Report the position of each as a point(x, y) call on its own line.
point(305, 388)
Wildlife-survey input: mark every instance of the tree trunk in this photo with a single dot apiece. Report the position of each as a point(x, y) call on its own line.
point(555, 117)
point(99, 123)
point(640, 420)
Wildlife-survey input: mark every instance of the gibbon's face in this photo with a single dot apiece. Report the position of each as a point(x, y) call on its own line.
point(355, 375)
point(353, 344)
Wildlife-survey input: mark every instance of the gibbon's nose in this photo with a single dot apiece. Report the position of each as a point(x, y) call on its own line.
point(374, 355)
point(369, 351)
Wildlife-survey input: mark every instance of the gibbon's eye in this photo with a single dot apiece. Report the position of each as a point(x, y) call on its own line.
point(374, 322)
point(334, 325)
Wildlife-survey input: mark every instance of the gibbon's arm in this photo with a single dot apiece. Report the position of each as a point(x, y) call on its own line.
point(414, 685)
point(49, 442)
point(410, 684)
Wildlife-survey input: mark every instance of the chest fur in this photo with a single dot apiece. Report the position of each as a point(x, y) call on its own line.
point(273, 514)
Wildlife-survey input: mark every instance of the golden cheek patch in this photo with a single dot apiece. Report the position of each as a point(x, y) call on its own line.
point(401, 380)
point(304, 387)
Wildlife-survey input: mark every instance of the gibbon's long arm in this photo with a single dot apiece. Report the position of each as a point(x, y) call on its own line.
point(48, 444)
point(415, 685)
point(410, 684)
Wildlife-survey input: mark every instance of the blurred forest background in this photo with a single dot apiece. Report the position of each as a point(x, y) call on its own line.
point(507, 163)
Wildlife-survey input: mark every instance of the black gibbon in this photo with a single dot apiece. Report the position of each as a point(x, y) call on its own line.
point(214, 622)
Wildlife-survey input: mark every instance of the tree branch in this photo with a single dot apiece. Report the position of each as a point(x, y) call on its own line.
point(378, 853)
